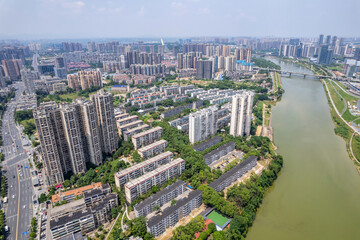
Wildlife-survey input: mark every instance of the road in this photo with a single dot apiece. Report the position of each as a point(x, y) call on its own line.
point(19, 209)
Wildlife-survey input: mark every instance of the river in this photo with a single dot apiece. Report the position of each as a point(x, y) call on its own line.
point(317, 195)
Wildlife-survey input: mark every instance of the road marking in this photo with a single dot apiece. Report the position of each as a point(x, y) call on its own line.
point(17, 224)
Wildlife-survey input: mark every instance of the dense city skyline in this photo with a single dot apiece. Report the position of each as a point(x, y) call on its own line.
point(183, 18)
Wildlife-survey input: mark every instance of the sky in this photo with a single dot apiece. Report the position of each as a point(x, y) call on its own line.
point(180, 18)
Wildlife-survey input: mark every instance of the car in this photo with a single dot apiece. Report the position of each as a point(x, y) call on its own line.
point(13, 196)
point(24, 206)
point(14, 176)
point(6, 228)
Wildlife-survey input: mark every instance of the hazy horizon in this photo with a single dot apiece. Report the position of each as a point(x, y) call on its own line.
point(84, 19)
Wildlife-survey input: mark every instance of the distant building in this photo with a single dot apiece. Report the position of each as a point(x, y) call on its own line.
point(84, 80)
point(28, 77)
point(204, 69)
point(12, 68)
point(325, 55)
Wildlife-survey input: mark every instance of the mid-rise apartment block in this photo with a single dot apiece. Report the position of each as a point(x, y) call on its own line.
point(160, 198)
point(171, 215)
point(157, 177)
point(153, 149)
point(142, 168)
point(147, 137)
point(241, 111)
point(202, 124)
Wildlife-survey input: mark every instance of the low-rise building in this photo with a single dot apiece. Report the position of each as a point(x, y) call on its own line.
point(171, 215)
point(160, 198)
point(147, 137)
point(82, 221)
point(157, 177)
point(142, 168)
point(207, 144)
point(123, 128)
point(219, 152)
point(153, 149)
point(232, 175)
point(70, 195)
point(132, 131)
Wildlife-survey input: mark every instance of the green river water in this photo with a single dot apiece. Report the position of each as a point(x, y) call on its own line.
point(317, 195)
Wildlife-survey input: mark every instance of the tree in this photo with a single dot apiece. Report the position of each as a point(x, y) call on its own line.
point(239, 224)
point(136, 157)
point(42, 198)
point(219, 235)
point(173, 202)
point(156, 207)
point(138, 227)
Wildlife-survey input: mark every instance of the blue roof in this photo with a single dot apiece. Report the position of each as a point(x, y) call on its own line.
point(120, 86)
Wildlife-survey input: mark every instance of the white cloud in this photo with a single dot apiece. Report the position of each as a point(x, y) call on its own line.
point(204, 10)
point(142, 11)
point(177, 4)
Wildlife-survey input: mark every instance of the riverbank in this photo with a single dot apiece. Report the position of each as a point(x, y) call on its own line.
point(340, 115)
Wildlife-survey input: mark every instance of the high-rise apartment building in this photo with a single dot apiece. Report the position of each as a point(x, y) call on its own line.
point(90, 130)
point(241, 111)
point(28, 77)
point(48, 126)
point(202, 124)
point(243, 54)
point(105, 114)
point(321, 39)
point(84, 80)
point(328, 40)
point(12, 68)
point(72, 132)
point(204, 69)
point(325, 55)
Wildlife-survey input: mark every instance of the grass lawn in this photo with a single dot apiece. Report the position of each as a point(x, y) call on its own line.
point(348, 116)
point(339, 103)
point(347, 97)
point(355, 144)
point(217, 218)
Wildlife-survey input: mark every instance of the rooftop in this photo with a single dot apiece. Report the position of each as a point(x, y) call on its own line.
point(143, 164)
point(168, 211)
point(229, 173)
point(159, 194)
point(211, 141)
point(76, 192)
point(155, 172)
point(155, 144)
